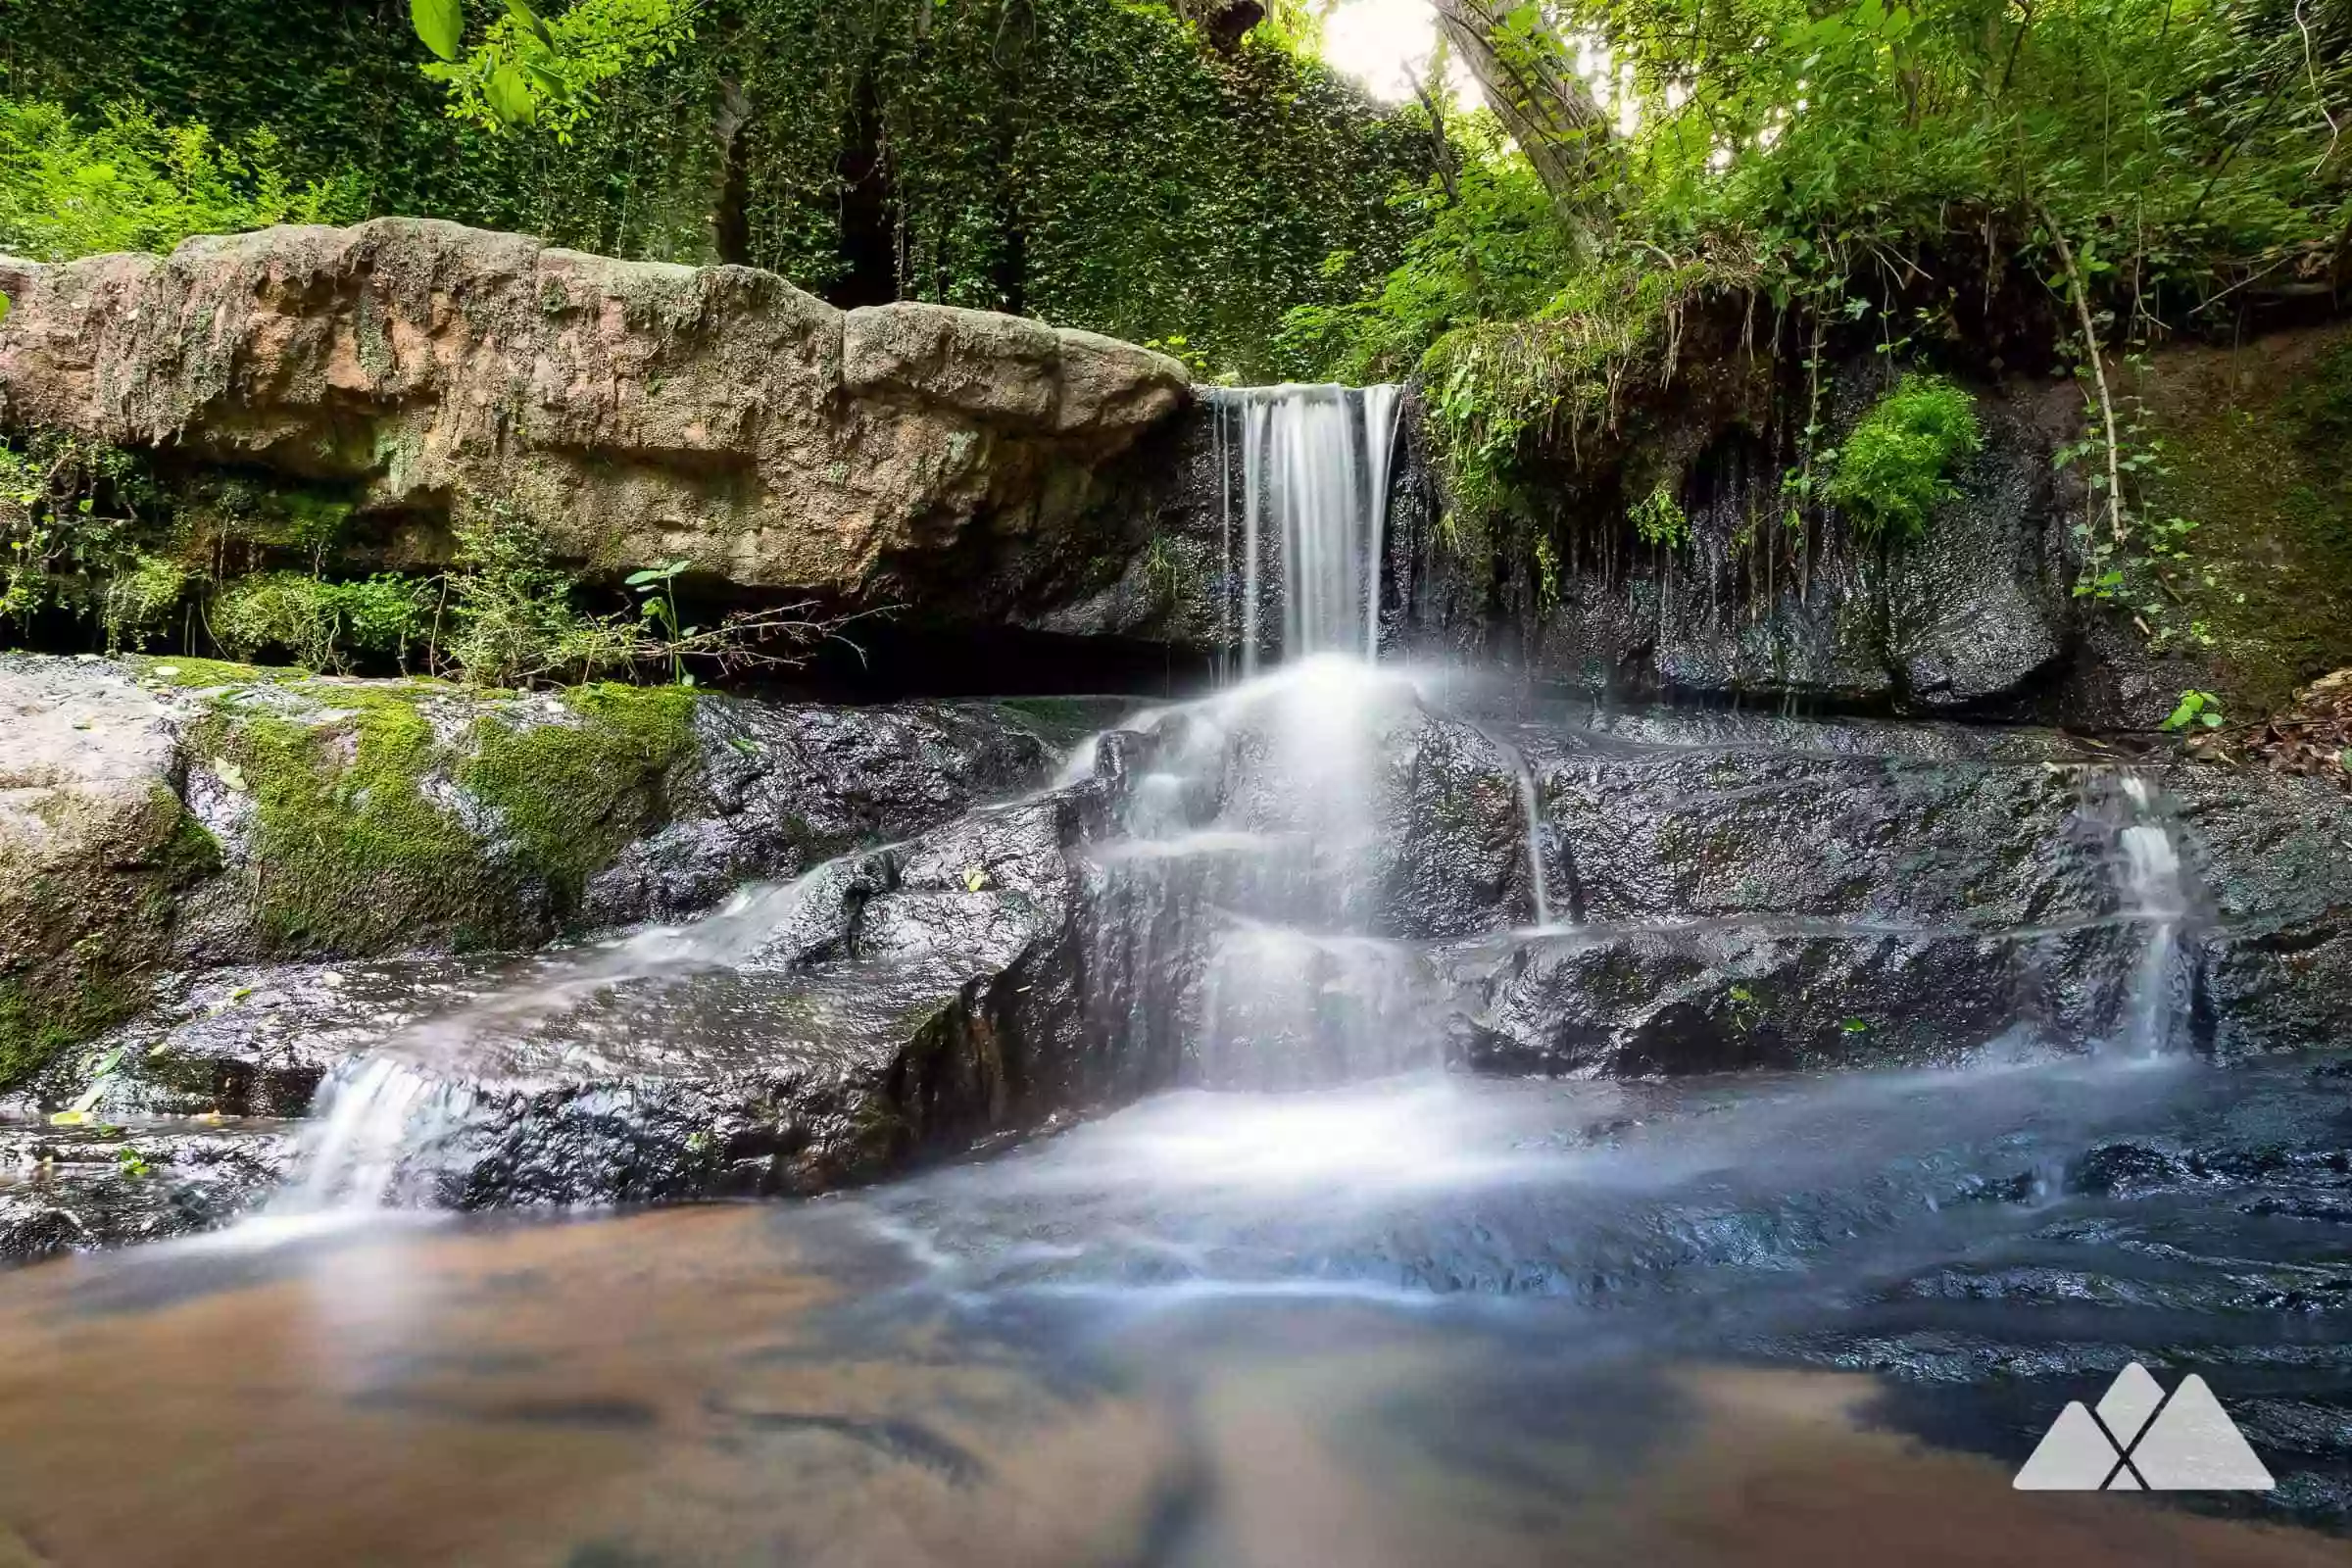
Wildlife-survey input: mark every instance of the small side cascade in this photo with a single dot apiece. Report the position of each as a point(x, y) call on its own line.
point(362, 1120)
point(1532, 806)
point(373, 1117)
point(1309, 468)
point(1531, 827)
point(2153, 891)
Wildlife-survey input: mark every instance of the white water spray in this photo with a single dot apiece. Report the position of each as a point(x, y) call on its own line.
point(370, 1115)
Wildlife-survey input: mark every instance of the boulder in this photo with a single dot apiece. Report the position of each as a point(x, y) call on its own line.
point(891, 1006)
point(634, 412)
point(95, 847)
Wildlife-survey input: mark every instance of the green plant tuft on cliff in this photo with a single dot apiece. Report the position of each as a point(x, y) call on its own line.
point(320, 625)
point(1659, 518)
point(1899, 461)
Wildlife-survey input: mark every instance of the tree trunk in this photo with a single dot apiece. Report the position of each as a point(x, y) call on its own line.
point(1531, 83)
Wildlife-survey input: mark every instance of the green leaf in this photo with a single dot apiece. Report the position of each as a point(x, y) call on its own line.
point(441, 23)
point(638, 579)
point(524, 14)
point(510, 96)
point(4, 306)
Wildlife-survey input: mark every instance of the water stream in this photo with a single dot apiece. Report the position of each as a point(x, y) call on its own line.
point(1318, 1300)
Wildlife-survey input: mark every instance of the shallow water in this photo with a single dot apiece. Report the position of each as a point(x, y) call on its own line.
point(1429, 1320)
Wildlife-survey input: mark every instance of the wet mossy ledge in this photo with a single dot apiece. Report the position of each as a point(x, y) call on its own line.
point(180, 815)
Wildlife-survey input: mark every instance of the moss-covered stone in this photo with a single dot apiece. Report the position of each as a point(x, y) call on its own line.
point(573, 794)
point(88, 917)
point(408, 813)
point(348, 853)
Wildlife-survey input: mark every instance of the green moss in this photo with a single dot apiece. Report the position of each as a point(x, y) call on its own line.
point(83, 942)
point(2254, 454)
point(355, 852)
point(574, 795)
point(348, 853)
point(38, 1022)
point(199, 674)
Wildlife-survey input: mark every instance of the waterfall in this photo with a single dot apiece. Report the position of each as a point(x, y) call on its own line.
point(1531, 808)
point(2152, 892)
point(1313, 472)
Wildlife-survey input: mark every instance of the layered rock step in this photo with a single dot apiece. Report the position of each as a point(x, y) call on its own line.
point(1308, 879)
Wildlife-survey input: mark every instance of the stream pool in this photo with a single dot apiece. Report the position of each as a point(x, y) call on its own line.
point(1424, 1320)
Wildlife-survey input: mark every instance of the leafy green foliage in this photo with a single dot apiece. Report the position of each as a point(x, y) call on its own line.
point(1898, 463)
point(320, 625)
point(1658, 520)
point(2195, 708)
point(127, 182)
point(1488, 246)
point(1091, 162)
point(530, 71)
point(514, 619)
point(70, 523)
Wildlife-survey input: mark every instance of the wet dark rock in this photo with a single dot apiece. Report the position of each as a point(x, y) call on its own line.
point(1748, 892)
point(69, 1189)
point(2127, 1169)
point(910, 1003)
point(774, 789)
point(1713, 997)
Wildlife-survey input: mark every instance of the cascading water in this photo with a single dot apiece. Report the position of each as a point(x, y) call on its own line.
point(369, 1115)
point(1313, 484)
point(1263, 889)
point(2153, 893)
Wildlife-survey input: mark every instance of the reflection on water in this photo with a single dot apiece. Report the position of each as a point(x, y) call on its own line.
point(1431, 1321)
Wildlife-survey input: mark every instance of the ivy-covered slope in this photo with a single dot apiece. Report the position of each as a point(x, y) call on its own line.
point(1092, 162)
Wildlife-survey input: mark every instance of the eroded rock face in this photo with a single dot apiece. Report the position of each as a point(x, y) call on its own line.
point(634, 412)
point(1783, 893)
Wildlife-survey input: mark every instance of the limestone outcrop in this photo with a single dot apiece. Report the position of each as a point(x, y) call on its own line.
point(636, 412)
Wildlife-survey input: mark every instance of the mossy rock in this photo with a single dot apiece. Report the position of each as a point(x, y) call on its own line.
point(411, 813)
point(95, 850)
